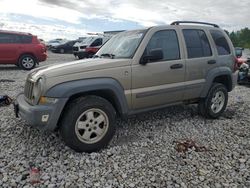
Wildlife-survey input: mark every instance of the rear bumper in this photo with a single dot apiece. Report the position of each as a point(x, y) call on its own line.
point(42, 57)
point(44, 117)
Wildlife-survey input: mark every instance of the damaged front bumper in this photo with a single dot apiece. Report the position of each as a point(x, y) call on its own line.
point(44, 117)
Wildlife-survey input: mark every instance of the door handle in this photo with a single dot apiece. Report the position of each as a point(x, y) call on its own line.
point(210, 62)
point(176, 66)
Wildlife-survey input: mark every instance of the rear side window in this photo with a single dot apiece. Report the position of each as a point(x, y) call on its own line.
point(167, 41)
point(220, 42)
point(197, 43)
point(6, 38)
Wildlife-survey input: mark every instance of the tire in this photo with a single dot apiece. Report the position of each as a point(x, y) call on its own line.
point(215, 103)
point(80, 57)
point(27, 62)
point(88, 124)
point(62, 51)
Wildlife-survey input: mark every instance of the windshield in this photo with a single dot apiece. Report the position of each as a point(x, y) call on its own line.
point(122, 45)
point(88, 40)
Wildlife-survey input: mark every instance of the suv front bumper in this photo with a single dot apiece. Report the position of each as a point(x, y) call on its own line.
point(44, 117)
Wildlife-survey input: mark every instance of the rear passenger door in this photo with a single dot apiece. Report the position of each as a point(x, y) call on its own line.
point(199, 60)
point(8, 48)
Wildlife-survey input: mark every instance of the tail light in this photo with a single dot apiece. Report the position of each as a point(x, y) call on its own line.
point(236, 64)
point(43, 48)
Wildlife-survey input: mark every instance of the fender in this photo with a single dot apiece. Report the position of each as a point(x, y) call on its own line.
point(68, 89)
point(212, 74)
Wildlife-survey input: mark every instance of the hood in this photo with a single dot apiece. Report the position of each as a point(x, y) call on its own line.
point(77, 67)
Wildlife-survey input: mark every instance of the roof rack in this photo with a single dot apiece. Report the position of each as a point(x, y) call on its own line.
point(204, 23)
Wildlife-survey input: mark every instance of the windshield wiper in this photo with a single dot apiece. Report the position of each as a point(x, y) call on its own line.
point(108, 55)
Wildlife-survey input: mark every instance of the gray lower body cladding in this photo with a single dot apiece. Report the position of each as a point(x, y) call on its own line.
point(44, 117)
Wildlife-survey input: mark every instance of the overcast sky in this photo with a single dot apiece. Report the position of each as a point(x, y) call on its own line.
point(73, 18)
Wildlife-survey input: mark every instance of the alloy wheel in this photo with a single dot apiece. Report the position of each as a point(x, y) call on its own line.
point(91, 126)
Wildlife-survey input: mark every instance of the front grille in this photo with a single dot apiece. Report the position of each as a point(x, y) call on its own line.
point(75, 48)
point(83, 47)
point(28, 89)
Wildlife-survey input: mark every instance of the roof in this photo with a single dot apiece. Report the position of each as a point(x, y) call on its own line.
point(14, 32)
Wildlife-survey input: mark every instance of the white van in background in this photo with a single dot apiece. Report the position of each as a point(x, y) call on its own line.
point(89, 46)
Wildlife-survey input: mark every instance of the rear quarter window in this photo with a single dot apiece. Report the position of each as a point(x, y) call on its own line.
point(25, 39)
point(220, 42)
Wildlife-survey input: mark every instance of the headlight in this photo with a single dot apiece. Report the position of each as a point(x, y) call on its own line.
point(47, 100)
point(38, 87)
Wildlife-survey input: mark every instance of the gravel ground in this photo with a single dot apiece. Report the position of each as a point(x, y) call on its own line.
point(142, 154)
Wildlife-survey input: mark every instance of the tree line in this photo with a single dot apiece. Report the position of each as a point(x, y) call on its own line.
point(240, 38)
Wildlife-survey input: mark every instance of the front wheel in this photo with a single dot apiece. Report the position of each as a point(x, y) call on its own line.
point(80, 56)
point(88, 124)
point(215, 103)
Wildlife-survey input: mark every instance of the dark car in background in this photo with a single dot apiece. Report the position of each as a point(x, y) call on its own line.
point(21, 49)
point(64, 48)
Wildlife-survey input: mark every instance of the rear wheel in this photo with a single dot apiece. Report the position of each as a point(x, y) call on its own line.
point(27, 62)
point(62, 51)
point(88, 124)
point(215, 103)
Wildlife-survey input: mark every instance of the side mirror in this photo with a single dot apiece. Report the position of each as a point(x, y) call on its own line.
point(154, 55)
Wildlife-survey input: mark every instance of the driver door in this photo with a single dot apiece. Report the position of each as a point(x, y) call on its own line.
point(159, 82)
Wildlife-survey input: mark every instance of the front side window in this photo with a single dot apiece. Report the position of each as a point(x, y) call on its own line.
point(220, 42)
point(197, 43)
point(167, 41)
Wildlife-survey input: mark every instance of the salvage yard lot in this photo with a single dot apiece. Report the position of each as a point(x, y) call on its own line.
point(143, 152)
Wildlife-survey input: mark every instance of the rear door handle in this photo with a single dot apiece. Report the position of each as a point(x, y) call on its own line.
point(210, 62)
point(176, 66)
